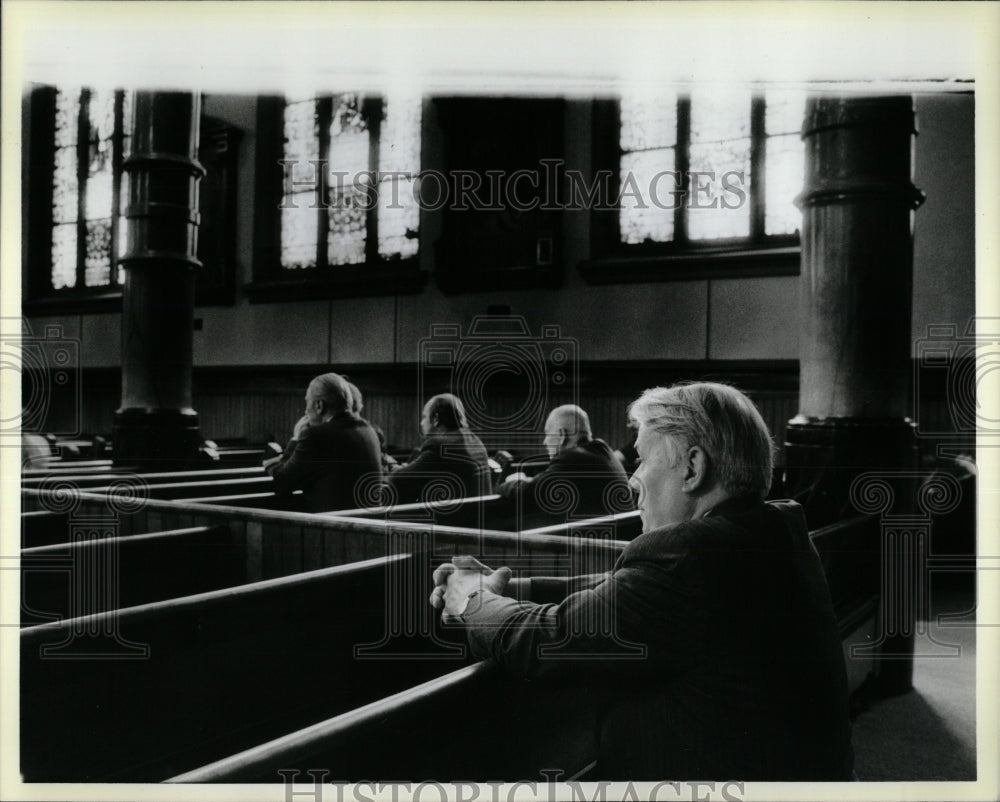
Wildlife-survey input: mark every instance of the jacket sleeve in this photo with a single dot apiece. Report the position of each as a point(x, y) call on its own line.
point(297, 466)
point(409, 479)
point(639, 617)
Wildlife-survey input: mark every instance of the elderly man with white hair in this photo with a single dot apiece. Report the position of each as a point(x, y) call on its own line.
point(334, 455)
point(717, 653)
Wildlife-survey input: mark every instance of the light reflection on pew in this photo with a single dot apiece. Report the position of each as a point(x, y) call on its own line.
point(58, 465)
point(182, 490)
point(102, 478)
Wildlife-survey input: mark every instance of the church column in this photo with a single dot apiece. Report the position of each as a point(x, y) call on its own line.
point(855, 295)
point(156, 425)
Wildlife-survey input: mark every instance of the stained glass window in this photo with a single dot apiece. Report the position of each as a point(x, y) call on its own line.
point(709, 144)
point(369, 149)
point(90, 141)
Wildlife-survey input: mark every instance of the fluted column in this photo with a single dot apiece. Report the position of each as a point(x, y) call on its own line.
point(156, 424)
point(855, 295)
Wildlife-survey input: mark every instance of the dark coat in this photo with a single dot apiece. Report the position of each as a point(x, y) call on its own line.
point(455, 463)
point(337, 464)
point(583, 481)
point(742, 675)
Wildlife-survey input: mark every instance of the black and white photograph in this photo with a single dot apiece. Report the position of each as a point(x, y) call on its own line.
point(500, 401)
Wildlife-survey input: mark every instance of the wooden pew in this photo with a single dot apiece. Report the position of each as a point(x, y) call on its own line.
point(289, 537)
point(850, 552)
point(93, 479)
point(56, 465)
point(488, 512)
point(281, 543)
point(146, 692)
point(523, 729)
point(470, 723)
point(190, 489)
point(96, 573)
point(41, 527)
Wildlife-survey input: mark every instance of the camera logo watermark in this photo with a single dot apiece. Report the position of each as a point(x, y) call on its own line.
point(47, 366)
point(507, 377)
point(968, 366)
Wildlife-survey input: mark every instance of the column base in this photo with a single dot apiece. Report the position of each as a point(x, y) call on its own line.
point(158, 439)
point(823, 457)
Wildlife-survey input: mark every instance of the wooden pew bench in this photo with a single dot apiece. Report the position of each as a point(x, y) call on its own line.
point(59, 465)
point(192, 489)
point(281, 543)
point(103, 478)
point(470, 723)
point(97, 572)
point(488, 512)
point(42, 527)
point(146, 692)
point(522, 729)
point(205, 647)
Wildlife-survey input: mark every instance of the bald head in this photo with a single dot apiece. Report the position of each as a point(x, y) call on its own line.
point(567, 426)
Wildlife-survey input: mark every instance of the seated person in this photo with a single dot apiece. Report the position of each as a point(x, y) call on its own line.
point(35, 450)
point(389, 462)
point(579, 463)
point(451, 455)
point(357, 400)
point(628, 457)
point(718, 612)
point(331, 453)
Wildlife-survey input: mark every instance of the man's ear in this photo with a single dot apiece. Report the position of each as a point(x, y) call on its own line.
point(695, 469)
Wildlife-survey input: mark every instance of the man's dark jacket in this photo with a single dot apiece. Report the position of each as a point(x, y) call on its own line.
point(448, 465)
point(743, 675)
point(337, 465)
point(584, 480)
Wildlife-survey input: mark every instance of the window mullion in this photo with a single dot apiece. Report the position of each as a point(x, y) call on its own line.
point(372, 110)
point(324, 113)
point(82, 171)
point(117, 155)
point(683, 159)
point(758, 168)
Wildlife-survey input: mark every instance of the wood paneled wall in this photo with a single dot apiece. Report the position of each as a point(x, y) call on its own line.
point(261, 403)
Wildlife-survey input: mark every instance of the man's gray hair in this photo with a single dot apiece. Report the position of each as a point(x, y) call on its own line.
point(334, 390)
point(722, 421)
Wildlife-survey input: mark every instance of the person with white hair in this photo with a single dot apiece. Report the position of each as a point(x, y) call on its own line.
point(334, 455)
point(582, 479)
point(712, 644)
